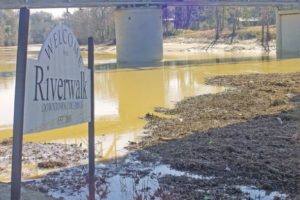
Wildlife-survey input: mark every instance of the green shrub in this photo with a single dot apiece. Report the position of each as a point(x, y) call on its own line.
point(179, 32)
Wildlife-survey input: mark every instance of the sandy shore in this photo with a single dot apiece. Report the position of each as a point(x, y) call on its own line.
point(179, 45)
point(192, 45)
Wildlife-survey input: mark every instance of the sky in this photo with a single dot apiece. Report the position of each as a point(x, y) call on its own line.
point(56, 12)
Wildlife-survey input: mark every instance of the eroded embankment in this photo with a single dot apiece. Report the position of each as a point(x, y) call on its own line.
point(248, 135)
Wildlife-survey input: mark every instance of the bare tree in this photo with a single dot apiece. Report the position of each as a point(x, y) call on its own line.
point(189, 11)
point(234, 24)
point(218, 24)
point(217, 28)
point(265, 32)
point(223, 19)
point(268, 35)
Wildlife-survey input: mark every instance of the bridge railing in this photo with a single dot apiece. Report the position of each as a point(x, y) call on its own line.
point(15, 4)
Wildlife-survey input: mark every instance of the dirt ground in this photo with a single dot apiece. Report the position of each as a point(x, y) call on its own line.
point(247, 135)
point(188, 41)
point(181, 44)
point(192, 45)
point(248, 39)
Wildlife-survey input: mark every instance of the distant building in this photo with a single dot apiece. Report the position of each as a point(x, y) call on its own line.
point(169, 25)
point(249, 21)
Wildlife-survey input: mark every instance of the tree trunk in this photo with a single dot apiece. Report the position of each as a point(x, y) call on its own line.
point(263, 34)
point(234, 25)
point(223, 19)
point(188, 16)
point(217, 34)
point(165, 21)
point(178, 18)
point(268, 36)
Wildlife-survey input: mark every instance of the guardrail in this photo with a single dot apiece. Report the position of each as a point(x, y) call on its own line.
point(16, 4)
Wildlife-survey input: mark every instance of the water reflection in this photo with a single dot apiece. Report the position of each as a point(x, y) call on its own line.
point(179, 60)
point(7, 102)
point(134, 180)
point(123, 97)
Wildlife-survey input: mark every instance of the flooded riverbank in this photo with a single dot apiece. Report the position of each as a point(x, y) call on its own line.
point(248, 135)
point(123, 97)
point(138, 176)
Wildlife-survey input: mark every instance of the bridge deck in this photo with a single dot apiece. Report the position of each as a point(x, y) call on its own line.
point(15, 4)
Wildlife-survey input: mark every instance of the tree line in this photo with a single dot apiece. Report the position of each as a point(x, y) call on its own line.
point(99, 22)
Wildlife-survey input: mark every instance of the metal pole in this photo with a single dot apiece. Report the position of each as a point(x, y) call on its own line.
point(16, 173)
point(91, 123)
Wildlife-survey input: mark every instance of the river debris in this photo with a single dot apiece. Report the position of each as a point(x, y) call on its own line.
point(39, 156)
point(235, 136)
point(7, 141)
point(51, 164)
point(296, 137)
point(128, 179)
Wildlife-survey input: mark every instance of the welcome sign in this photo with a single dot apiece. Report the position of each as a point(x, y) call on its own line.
point(58, 86)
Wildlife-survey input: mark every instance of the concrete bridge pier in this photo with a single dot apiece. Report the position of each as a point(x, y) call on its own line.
point(288, 33)
point(139, 35)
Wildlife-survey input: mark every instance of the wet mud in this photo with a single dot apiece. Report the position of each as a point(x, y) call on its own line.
point(247, 135)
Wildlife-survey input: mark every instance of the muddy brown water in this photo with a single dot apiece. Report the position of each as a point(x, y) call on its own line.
point(124, 95)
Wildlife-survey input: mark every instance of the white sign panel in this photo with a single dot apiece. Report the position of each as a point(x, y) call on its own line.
point(57, 84)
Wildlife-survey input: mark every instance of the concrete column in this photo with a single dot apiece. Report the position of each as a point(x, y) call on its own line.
point(139, 35)
point(288, 34)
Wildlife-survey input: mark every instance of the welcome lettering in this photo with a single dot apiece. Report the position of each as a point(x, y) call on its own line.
point(55, 88)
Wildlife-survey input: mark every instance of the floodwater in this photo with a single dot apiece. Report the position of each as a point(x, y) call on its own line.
point(125, 95)
point(134, 180)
